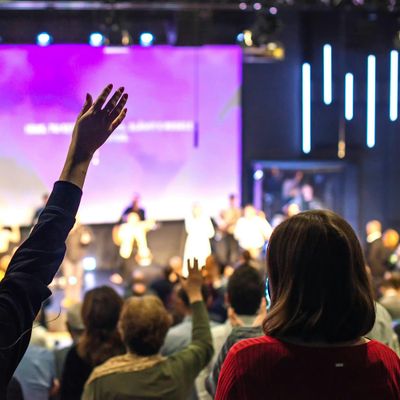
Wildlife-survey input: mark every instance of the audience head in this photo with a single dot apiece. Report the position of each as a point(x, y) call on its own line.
point(74, 321)
point(390, 239)
point(100, 313)
point(245, 290)
point(246, 256)
point(319, 286)
point(373, 226)
point(292, 209)
point(143, 325)
point(176, 264)
point(212, 269)
point(139, 285)
point(392, 283)
point(181, 303)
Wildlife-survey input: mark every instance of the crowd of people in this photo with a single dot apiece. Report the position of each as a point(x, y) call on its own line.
point(306, 324)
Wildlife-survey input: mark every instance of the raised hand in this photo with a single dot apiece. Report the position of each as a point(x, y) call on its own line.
point(192, 285)
point(95, 123)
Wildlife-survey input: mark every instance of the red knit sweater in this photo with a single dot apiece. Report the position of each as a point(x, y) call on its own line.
point(267, 368)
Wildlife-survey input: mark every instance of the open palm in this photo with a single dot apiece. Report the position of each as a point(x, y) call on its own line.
point(95, 123)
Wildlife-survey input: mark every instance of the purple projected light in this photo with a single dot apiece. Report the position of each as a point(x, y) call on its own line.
point(151, 153)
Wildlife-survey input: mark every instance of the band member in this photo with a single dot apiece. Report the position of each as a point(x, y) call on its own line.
point(134, 208)
point(229, 217)
point(77, 244)
point(200, 230)
point(131, 234)
point(252, 231)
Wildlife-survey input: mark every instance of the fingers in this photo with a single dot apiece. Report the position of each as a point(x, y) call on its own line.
point(117, 108)
point(117, 121)
point(87, 105)
point(195, 265)
point(102, 98)
point(114, 100)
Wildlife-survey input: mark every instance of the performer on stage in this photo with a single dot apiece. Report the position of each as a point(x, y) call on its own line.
point(79, 238)
point(134, 232)
point(200, 230)
point(252, 231)
point(226, 227)
point(134, 208)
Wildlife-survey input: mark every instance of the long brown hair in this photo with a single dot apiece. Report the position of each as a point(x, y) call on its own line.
point(319, 285)
point(100, 313)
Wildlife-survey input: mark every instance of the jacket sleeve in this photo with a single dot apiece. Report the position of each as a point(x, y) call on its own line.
point(32, 268)
point(188, 363)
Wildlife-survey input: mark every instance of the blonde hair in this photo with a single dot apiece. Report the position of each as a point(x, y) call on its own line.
point(143, 324)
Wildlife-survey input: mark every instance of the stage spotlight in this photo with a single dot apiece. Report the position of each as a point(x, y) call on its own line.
point(43, 39)
point(240, 37)
point(258, 174)
point(146, 39)
point(96, 39)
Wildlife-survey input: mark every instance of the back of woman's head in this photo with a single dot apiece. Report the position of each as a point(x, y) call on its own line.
point(100, 313)
point(144, 324)
point(320, 290)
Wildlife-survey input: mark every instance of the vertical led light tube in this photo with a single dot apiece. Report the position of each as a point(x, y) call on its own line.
point(327, 55)
point(394, 85)
point(349, 96)
point(371, 88)
point(306, 108)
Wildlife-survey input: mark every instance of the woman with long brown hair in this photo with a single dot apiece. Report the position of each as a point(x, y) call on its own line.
point(99, 341)
point(321, 309)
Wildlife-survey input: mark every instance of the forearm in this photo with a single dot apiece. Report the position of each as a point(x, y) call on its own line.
point(201, 333)
point(75, 168)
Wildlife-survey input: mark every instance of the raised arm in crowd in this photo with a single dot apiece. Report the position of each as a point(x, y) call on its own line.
point(35, 263)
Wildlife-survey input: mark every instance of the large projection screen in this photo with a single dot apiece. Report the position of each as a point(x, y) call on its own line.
point(179, 144)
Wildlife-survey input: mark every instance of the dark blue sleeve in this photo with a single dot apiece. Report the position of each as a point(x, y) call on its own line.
point(32, 268)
